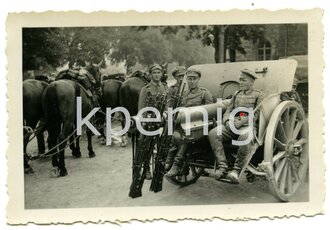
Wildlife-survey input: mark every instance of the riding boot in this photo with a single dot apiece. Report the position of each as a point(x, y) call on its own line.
point(148, 173)
point(170, 158)
point(221, 163)
point(240, 161)
point(178, 161)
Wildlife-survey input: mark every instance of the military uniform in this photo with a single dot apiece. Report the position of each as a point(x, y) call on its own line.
point(191, 97)
point(150, 93)
point(247, 99)
point(195, 97)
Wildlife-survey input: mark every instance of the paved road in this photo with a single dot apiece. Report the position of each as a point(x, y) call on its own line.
point(104, 181)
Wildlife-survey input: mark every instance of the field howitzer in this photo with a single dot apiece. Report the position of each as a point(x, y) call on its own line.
point(165, 140)
point(143, 146)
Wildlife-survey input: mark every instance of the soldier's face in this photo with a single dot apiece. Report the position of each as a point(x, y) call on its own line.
point(156, 75)
point(245, 83)
point(179, 77)
point(192, 81)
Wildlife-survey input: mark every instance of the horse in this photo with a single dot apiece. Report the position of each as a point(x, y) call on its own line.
point(109, 98)
point(59, 105)
point(32, 115)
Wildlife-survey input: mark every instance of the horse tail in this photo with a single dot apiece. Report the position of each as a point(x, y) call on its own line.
point(51, 108)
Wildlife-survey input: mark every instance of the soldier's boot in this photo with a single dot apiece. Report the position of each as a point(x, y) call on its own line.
point(148, 173)
point(170, 158)
point(240, 161)
point(175, 170)
point(221, 165)
point(233, 175)
point(178, 160)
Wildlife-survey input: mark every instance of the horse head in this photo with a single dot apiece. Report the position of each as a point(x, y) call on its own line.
point(94, 70)
point(142, 75)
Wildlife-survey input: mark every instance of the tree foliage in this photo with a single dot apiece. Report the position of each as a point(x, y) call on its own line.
point(186, 45)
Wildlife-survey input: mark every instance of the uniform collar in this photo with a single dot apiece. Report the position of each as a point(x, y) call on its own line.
point(155, 84)
point(248, 91)
point(193, 90)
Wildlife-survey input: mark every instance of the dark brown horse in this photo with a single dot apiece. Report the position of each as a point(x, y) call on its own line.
point(129, 95)
point(59, 104)
point(32, 114)
point(130, 91)
point(109, 98)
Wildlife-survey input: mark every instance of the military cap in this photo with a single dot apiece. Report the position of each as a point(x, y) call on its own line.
point(179, 70)
point(249, 73)
point(193, 72)
point(154, 67)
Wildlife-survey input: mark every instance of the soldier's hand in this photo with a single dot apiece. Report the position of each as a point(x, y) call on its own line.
point(227, 125)
point(244, 120)
point(237, 124)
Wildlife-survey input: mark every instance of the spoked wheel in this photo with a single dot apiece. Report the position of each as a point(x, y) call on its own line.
point(189, 174)
point(286, 149)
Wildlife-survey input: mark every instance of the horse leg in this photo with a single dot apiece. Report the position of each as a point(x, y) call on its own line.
point(77, 145)
point(100, 127)
point(61, 161)
point(40, 137)
point(66, 131)
point(74, 147)
point(91, 153)
point(27, 167)
point(124, 138)
point(102, 137)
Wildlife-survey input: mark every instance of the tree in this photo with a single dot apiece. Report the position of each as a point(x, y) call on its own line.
point(44, 47)
point(228, 37)
point(148, 45)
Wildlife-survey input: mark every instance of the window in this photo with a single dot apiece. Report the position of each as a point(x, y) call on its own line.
point(264, 51)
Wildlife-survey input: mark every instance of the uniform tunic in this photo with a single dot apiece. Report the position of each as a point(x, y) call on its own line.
point(248, 99)
point(196, 96)
point(154, 89)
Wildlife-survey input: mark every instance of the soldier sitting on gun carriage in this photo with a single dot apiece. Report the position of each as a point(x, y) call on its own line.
point(193, 96)
point(246, 97)
point(152, 95)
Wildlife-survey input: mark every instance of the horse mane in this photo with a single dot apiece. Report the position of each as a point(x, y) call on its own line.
point(117, 76)
point(140, 74)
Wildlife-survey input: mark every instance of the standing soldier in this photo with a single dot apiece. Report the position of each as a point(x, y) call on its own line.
point(246, 97)
point(178, 74)
point(151, 94)
point(193, 96)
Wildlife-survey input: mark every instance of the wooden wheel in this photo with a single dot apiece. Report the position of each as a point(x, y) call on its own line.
point(189, 174)
point(286, 149)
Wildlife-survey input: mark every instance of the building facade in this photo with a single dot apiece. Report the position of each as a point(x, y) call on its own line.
point(281, 40)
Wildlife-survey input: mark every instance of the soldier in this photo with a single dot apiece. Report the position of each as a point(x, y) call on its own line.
point(155, 87)
point(246, 97)
point(150, 93)
point(193, 96)
point(178, 74)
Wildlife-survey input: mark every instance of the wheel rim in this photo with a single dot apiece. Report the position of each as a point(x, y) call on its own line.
point(286, 149)
point(188, 175)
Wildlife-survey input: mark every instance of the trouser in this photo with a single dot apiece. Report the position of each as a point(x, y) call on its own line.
point(218, 149)
point(178, 160)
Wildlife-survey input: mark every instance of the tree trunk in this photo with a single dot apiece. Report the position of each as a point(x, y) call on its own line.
point(219, 44)
point(232, 55)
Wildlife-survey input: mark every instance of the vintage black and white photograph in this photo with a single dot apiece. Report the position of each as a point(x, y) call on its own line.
point(165, 116)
